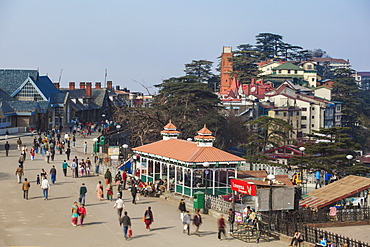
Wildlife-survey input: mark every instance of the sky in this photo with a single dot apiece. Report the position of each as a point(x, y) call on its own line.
point(147, 41)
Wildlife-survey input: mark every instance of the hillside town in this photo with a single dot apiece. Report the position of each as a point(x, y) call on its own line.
point(274, 149)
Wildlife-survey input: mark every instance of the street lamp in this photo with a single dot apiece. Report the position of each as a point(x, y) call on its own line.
point(301, 166)
point(125, 146)
point(349, 157)
point(206, 165)
point(95, 149)
point(271, 178)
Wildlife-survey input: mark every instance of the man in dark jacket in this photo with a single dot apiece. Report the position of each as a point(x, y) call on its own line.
point(7, 147)
point(83, 191)
point(133, 193)
point(197, 221)
point(182, 209)
point(231, 220)
point(126, 222)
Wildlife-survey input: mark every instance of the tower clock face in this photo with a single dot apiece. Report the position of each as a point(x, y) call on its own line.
point(253, 89)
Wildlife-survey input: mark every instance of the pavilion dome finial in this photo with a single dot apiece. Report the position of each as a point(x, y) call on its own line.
point(204, 137)
point(170, 132)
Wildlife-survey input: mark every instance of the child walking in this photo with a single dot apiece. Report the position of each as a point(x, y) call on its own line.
point(38, 180)
point(82, 213)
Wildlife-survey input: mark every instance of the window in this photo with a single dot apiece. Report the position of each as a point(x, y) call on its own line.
point(303, 118)
point(313, 108)
point(288, 71)
point(338, 118)
point(313, 79)
point(297, 113)
point(276, 112)
point(281, 151)
point(313, 117)
point(304, 109)
point(295, 72)
point(29, 93)
point(291, 113)
point(284, 114)
point(303, 126)
point(309, 66)
point(313, 125)
point(338, 107)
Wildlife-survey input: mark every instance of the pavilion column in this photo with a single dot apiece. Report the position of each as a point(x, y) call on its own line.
point(160, 170)
point(191, 182)
point(147, 170)
point(236, 173)
point(227, 178)
point(154, 170)
point(168, 177)
point(140, 167)
point(213, 181)
point(175, 177)
point(183, 180)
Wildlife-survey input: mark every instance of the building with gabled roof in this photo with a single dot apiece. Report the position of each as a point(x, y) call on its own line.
point(194, 165)
point(32, 100)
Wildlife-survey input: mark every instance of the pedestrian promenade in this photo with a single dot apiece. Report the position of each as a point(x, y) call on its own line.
point(36, 222)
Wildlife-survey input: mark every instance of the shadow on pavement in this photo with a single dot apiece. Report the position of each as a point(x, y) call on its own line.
point(58, 198)
point(162, 228)
point(207, 233)
point(140, 236)
point(94, 223)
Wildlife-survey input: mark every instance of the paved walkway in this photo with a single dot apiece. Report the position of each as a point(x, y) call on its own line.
point(48, 223)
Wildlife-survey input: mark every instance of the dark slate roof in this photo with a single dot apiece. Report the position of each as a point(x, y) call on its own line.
point(98, 96)
point(75, 93)
point(24, 106)
point(4, 96)
point(5, 107)
point(12, 79)
point(47, 87)
point(58, 98)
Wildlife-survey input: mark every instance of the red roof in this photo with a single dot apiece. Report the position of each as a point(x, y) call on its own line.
point(187, 151)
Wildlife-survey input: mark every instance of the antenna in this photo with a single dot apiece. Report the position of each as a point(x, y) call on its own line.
point(105, 78)
point(60, 76)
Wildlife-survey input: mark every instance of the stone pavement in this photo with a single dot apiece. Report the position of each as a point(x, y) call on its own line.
point(36, 222)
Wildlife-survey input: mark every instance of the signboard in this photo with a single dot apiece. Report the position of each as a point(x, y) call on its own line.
point(113, 150)
point(282, 198)
point(238, 217)
point(243, 187)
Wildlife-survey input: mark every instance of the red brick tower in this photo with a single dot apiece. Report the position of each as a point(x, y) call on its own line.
point(226, 68)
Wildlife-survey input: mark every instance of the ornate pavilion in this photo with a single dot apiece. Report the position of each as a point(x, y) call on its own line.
point(188, 165)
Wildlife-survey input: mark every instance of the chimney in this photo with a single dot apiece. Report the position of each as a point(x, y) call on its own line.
point(82, 85)
point(253, 81)
point(57, 85)
point(117, 87)
point(72, 85)
point(110, 84)
point(98, 85)
point(88, 89)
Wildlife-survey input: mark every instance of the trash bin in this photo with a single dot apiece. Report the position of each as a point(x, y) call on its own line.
point(198, 200)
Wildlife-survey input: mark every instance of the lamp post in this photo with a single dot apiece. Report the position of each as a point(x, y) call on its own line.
point(271, 178)
point(301, 166)
point(349, 157)
point(125, 146)
point(118, 127)
point(95, 147)
point(206, 165)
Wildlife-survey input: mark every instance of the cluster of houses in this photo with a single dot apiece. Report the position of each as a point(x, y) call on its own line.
point(28, 99)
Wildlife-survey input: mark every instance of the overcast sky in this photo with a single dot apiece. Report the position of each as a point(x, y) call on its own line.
point(151, 40)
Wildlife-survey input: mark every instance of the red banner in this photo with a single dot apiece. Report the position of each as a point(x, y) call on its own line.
point(243, 187)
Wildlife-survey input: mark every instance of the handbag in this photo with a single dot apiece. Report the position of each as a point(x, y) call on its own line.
point(143, 219)
point(129, 233)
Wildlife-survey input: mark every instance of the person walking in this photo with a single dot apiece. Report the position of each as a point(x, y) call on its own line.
point(109, 192)
point(120, 205)
point(133, 193)
point(74, 214)
point(32, 153)
point(24, 151)
point(25, 187)
point(125, 221)
point(231, 220)
point(19, 143)
point(6, 134)
point(186, 222)
point(258, 228)
point(182, 209)
point(99, 191)
point(74, 169)
point(124, 178)
point(197, 221)
point(118, 178)
point(221, 227)
point(7, 148)
point(19, 173)
point(85, 148)
point(47, 156)
point(119, 189)
point(21, 160)
point(45, 186)
point(64, 167)
point(82, 213)
point(318, 179)
point(83, 191)
point(53, 174)
point(108, 177)
point(148, 218)
point(68, 152)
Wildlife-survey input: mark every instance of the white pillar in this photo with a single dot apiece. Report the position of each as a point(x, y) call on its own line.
point(147, 169)
point(236, 173)
point(191, 182)
point(168, 177)
point(160, 170)
point(213, 181)
point(183, 180)
point(140, 167)
point(227, 177)
point(175, 177)
point(153, 171)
